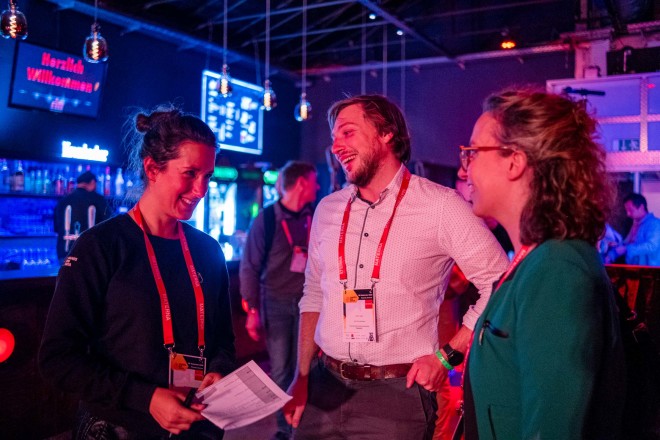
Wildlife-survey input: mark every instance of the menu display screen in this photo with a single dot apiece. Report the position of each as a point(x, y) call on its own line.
point(236, 120)
point(48, 79)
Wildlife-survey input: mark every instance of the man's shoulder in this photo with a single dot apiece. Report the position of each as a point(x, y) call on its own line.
point(425, 188)
point(341, 196)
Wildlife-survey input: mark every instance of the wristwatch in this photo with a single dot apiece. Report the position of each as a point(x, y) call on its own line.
point(454, 357)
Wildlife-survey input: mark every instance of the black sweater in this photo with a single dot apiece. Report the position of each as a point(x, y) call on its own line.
point(103, 338)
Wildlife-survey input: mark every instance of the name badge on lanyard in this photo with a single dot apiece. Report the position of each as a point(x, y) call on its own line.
point(359, 306)
point(186, 371)
point(298, 253)
point(359, 316)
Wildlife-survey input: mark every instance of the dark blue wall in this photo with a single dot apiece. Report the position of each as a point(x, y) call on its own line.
point(142, 72)
point(442, 101)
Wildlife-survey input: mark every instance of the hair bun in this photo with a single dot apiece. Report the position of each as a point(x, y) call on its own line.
point(143, 123)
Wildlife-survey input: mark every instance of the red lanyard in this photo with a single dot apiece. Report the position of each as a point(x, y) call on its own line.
point(375, 274)
point(287, 232)
point(168, 333)
point(522, 253)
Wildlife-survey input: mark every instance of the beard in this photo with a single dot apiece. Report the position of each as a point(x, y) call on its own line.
point(370, 163)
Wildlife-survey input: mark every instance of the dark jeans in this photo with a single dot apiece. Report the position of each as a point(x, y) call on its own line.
point(379, 409)
point(280, 319)
point(90, 427)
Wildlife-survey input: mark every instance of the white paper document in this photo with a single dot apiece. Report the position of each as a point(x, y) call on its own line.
point(241, 398)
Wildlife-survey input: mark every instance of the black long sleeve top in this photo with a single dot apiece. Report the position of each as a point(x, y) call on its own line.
point(103, 338)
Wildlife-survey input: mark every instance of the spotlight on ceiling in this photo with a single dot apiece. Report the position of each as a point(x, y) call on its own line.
point(372, 16)
point(507, 42)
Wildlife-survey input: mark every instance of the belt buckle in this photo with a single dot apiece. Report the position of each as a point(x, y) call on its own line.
point(341, 369)
point(366, 369)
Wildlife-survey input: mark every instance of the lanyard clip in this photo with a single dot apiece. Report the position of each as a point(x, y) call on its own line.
point(170, 349)
point(201, 350)
point(373, 282)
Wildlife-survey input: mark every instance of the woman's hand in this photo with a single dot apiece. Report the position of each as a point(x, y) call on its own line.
point(209, 379)
point(166, 407)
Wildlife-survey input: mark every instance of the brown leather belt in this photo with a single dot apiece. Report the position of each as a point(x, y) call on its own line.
point(352, 371)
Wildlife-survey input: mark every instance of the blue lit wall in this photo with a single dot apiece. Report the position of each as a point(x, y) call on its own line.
point(143, 72)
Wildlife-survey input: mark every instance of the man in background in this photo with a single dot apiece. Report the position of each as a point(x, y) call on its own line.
point(642, 245)
point(272, 272)
point(87, 209)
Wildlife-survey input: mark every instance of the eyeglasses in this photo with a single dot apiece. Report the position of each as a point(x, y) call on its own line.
point(467, 153)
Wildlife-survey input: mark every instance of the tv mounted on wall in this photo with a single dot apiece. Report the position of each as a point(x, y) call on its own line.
point(237, 120)
point(55, 81)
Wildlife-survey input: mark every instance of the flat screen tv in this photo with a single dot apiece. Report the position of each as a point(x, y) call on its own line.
point(55, 81)
point(237, 120)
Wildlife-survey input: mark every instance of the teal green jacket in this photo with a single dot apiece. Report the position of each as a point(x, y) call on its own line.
point(547, 359)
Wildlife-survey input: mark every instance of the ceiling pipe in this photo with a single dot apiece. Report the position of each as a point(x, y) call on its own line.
point(404, 27)
point(460, 60)
point(182, 40)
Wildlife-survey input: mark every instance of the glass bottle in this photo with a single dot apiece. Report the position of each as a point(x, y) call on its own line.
point(18, 179)
point(107, 182)
point(119, 184)
point(5, 176)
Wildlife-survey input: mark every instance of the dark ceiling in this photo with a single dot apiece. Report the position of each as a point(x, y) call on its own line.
point(342, 33)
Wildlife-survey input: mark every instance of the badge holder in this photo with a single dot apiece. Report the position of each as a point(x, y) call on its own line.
point(298, 259)
point(359, 315)
point(186, 371)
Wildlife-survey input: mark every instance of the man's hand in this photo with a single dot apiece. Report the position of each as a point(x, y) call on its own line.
point(294, 408)
point(253, 324)
point(428, 372)
point(166, 407)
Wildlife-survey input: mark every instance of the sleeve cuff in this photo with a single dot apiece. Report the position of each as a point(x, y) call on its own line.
point(137, 396)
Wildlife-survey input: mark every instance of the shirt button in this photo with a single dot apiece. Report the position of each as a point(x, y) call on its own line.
point(361, 266)
point(366, 234)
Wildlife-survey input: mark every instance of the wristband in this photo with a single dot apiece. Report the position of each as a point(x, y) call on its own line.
point(444, 362)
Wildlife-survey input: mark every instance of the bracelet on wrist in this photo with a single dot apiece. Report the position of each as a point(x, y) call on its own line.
point(444, 361)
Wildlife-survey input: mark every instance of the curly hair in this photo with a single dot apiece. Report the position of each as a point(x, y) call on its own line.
point(571, 193)
point(384, 115)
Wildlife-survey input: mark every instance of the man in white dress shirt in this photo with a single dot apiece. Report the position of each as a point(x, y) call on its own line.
point(380, 255)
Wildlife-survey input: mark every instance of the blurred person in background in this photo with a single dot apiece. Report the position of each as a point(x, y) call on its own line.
point(642, 245)
point(142, 295)
point(272, 272)
point(80, 200)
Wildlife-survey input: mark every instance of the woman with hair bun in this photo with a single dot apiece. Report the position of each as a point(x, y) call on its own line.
point(141, 310)
point(546, 361)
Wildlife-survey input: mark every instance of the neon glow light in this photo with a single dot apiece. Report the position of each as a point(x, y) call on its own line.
point(96, 154)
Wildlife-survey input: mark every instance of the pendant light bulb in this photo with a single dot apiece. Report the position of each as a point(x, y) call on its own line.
point(224, 84)
point(13, 23)
point(269, 99)
point(303, 110)
point(96, 48)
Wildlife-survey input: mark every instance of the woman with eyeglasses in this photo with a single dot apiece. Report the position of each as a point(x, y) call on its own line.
point(546, 361)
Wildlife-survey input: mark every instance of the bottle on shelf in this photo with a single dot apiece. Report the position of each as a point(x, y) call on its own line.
point(107, 182)
point(38, 182)
point(119, 184)
point(29, 181)
point(59, 184)
point(18, 178)
point(46, 187)
point(5, 176)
